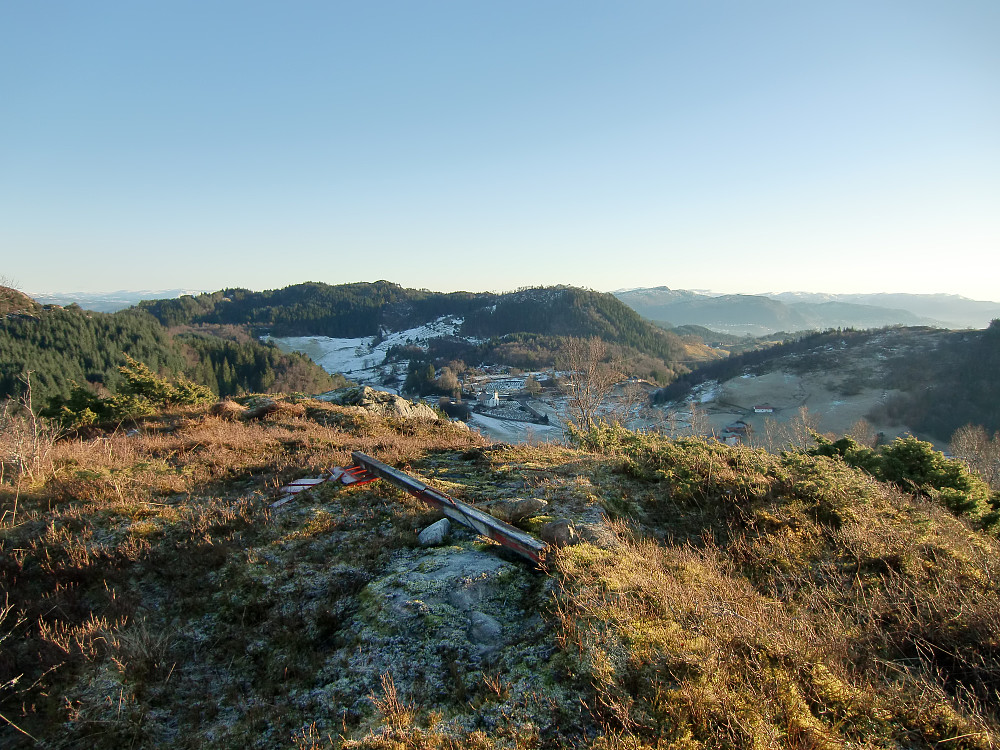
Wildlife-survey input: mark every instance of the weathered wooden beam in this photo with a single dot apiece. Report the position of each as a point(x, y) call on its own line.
point(483, 523)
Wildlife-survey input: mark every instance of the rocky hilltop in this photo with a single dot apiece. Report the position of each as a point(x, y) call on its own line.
point(158, 595)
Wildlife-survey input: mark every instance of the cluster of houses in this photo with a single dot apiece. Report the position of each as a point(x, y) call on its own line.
point(496, 398)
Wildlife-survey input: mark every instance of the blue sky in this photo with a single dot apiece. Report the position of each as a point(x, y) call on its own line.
point(734, 146)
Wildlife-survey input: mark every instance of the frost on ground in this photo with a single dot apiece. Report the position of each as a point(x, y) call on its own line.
point(510, 431)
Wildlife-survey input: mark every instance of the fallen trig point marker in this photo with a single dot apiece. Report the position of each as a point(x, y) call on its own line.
point(366, 469)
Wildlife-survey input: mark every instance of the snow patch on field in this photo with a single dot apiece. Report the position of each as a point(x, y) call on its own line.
point(360, 358)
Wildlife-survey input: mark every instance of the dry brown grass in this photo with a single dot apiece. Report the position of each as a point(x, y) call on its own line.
point(122, 517)
point(677, 644)
point(742, 599)
point(832, 611)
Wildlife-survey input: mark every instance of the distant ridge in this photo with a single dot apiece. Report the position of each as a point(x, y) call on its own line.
point(756, 315)
point(110, 301)
point(954, 310)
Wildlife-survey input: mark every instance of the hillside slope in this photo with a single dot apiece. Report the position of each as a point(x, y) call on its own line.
point(567, 311)
point(14, 302)
point(63, 347)
point(718, 598)
point(922, 380)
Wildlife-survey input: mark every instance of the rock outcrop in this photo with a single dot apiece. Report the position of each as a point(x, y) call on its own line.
point(379, 402)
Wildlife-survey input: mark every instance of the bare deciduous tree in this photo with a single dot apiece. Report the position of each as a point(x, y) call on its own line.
point(634, 401)
point(794, 434)
point(863, 434)
point(447, 381)
point(973, 446)
point(801, 427)
point(591, 374)
point(700, 424)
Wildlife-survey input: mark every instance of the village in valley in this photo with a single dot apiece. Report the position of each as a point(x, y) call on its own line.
point(508, 404)
point(517, 406)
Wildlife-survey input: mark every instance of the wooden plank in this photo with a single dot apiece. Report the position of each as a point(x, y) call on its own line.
point(307, 481)
point(512, 538)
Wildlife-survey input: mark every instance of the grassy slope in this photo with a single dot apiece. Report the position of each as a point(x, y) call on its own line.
point(736, 599)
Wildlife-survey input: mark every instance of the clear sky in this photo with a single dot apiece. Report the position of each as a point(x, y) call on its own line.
point(838, 146)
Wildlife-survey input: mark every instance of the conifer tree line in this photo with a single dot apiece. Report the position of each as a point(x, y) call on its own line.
point(66, 348)
point(316, 309)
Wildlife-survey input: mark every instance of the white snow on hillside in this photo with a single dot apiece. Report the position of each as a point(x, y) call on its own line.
point(360, 359)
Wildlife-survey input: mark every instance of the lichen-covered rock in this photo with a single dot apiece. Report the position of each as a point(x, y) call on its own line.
point(434, 622)
point(261, 409)
point(560, 533)
point(265, 406)
point(435, 534)
point(485, 630)
point(378, 402)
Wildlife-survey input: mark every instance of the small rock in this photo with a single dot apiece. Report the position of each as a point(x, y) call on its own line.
point(485, 630)
point(559, 533)
point(435, 534)
point(517, 509)
point(228, 409)
point(460, 599)
point(261, 409)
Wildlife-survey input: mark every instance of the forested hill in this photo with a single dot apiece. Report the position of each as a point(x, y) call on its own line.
point(63, 347)
point(316, 309)
point(569, 311)
point(365, 309)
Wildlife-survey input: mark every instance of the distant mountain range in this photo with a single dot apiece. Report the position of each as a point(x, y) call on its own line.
point(757, 315)
point(109, 301)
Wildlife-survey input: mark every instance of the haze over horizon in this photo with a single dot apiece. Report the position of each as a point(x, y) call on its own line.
point(841, 148)
point(160, 293)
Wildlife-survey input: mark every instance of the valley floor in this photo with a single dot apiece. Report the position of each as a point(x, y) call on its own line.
point(832, 407)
